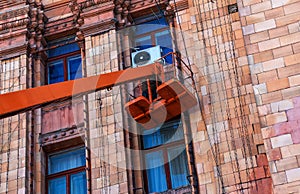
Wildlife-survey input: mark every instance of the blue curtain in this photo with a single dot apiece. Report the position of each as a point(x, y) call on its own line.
point(65, 161)
point(75, 68)
point(56, 72)
point(155, 172)
point(78, 183)
point(57, 185)
point(178, 166)
point(169, 132)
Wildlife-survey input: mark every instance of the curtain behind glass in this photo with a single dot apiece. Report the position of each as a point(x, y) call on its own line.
point(65, 161)
point(178, 166)
point(57, 185)
point(78, 183)
point(155, 172)
point(169, 132)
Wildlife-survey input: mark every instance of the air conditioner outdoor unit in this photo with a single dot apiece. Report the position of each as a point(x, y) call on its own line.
point(146, 56)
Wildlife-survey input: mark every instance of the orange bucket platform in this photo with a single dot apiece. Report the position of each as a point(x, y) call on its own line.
point(173, 99)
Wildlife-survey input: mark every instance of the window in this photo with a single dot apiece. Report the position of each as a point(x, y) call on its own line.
point(64, 62)
point(152, 33)
point(66, 172)
point(165, 157)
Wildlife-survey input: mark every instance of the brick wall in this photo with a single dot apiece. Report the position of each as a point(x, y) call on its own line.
point(272, 27)
point(229, 150)
point(105, 119)
point(13, 130)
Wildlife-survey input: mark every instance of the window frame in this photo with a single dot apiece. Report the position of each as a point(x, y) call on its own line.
point(164, 149)
point(65, 173)
point(64, 58)
point(152, 35)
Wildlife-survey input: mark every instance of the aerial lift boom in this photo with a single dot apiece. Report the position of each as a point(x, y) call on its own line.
point(23, 100)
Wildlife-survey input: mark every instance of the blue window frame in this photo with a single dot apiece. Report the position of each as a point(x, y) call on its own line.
point(165, 157)
point(64, 62)
point(66, 172)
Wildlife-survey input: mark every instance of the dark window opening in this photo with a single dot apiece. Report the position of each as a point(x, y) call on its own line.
point(66, 172)
point(233, 8)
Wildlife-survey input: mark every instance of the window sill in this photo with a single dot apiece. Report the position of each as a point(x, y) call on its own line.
point(181, 190)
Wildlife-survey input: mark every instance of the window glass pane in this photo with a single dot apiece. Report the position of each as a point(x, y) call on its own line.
point(65, 161)
point(60, 50)
point(165, 41)
point(169, 132)
point(156, 172)
point(57, 185)
point(75, 68)
point(78, 183)
point(56, 72)
point(178, 166)
point(143, 42)
point(152, 25)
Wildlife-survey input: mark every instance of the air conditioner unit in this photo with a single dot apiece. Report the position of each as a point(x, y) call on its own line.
point(146, 56)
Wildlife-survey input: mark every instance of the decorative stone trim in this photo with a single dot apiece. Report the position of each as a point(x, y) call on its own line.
point(62, 135)
point(14, 13)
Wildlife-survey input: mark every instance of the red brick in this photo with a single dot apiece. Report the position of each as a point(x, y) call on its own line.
point(267, 76)
point(293, 114)
point(271, 97)
point(296, 47)
point(288, 71)
point(255, 18)
point(286, 163)
point(269, 44)
point(275, 85)
point(263, 56)
point(274, 13)
point(292, 8)
point(291, 92)
point(262, 160)
point(296, 101)
point(277, 32)
point(282, 51)
point(260, 36)
point(289, 39)
point(296, 135)
point(274, 154)
point(288, 19)
point(292, 59)
point(276, 118)
point(294, 80)
point(282, 128)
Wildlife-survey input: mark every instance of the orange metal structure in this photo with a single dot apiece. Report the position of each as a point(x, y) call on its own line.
point(173, 99)
point(20, 101)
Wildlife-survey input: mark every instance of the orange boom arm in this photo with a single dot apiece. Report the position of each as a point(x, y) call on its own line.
point(20, 101)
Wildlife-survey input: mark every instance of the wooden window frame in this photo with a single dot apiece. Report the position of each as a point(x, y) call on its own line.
point(66, 173)
point(164, 149)
point(151, 34)
point(64, 58)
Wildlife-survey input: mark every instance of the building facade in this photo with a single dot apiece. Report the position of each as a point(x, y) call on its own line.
point(237, 58)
